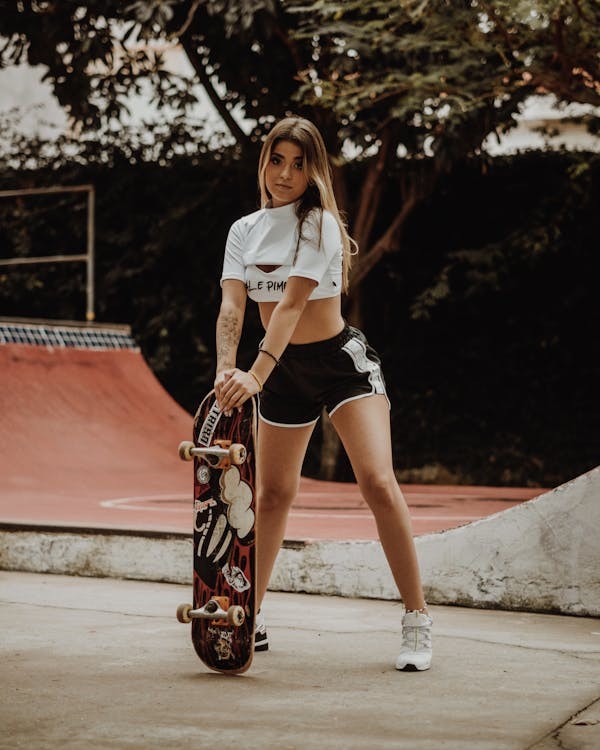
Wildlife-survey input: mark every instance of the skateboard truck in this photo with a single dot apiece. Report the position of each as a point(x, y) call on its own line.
point(216, 609)
point(220, 455)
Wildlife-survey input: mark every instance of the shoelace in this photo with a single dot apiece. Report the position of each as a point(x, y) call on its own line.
point(416, 637)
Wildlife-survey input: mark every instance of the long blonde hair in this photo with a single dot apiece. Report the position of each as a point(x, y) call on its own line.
point(317, 170)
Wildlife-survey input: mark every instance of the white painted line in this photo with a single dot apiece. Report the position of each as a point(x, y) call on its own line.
point(368, 514)
point(133, 503)
point(136, 503)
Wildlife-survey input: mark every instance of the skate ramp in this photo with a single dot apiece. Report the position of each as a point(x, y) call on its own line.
point(83, 418)
point(543, 555)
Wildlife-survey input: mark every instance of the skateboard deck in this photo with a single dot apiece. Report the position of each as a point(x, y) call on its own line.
point(223, 610)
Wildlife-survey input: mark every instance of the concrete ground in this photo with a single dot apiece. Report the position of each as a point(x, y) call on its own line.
point(100, 663)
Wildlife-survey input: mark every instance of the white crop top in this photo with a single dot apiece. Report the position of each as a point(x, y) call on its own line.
point(268, 237)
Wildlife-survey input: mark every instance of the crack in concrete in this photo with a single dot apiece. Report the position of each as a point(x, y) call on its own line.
point(554, 734)
point(88, 609)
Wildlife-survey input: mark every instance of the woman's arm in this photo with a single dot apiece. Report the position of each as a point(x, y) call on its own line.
point(229, 323)
point(229, 330)
point(239, 385)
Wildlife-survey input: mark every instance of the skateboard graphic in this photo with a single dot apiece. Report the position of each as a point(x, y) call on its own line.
point(223, 609)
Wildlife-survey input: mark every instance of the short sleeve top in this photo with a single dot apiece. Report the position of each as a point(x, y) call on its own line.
point(269, 237)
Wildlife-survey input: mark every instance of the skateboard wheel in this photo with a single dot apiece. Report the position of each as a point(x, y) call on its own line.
point(237, 453)
point(183, 613)
point(236, 615)
point(185, 450)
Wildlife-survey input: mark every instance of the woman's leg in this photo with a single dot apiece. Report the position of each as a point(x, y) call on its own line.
point(279, 455)
point(364, 429)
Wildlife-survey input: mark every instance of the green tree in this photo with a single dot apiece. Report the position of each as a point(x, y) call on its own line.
point(418, 85)
point(409, 87)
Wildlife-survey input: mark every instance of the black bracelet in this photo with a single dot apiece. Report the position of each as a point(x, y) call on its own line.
point(273, 357)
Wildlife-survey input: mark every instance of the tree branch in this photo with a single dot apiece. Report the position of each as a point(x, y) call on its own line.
point(370, 194)
point(388, 243)
point(189, 47)
point(187, 23)
point(340, 188)
point(499, 25)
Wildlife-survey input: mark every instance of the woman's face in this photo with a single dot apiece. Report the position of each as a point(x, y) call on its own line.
point(284, 174)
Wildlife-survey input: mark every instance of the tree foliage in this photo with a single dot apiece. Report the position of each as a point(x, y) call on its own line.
point(414, 86)
point(423, 82)
point(440, 75)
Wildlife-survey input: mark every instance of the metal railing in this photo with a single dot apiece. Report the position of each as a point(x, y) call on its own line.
point(87, 257)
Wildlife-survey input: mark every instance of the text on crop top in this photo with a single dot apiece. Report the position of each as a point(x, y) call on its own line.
point(269, 237)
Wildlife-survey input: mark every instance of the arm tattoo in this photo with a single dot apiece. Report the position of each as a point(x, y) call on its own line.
point(229, 330)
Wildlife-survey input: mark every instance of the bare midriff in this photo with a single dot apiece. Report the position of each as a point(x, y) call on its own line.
point(321, 319)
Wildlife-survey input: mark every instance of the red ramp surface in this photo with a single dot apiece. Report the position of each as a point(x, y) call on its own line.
point(81, 426)
point(89, 439)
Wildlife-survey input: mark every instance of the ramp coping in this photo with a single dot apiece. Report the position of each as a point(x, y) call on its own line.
point(66, 336)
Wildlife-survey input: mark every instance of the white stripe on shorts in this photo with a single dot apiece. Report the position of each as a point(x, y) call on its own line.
point(283, 424)
point(357, 351)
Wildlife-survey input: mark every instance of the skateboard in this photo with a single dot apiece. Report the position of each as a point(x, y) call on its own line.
point(223, 610)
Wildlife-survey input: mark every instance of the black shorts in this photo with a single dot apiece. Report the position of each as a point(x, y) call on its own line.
point(325, 373)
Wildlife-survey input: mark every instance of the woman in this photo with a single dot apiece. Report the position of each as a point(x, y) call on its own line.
point(292, 257)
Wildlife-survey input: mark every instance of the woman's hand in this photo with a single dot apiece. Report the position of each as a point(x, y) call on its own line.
point(233, 387)
point(220, 380)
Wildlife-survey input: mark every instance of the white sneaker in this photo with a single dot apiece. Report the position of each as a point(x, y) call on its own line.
point(416, 642)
